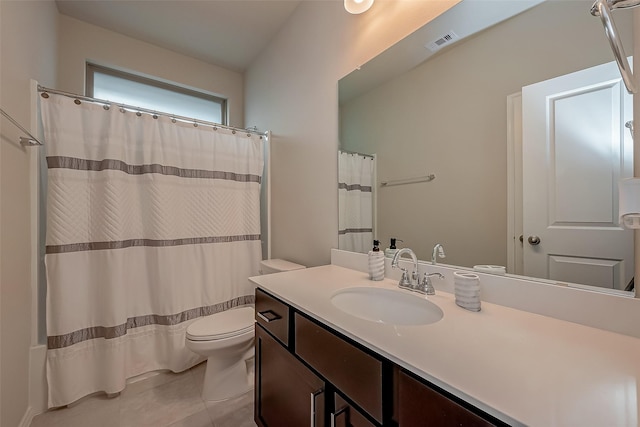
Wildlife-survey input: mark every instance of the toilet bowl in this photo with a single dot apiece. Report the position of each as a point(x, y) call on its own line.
point(226, 340)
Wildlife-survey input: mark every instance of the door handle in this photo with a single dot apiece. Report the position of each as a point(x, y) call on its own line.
point(268, 315)
point(313, 410)
point(335, 415)
point(533, 240)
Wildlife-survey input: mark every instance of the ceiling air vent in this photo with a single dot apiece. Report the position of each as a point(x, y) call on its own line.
point(442, 41)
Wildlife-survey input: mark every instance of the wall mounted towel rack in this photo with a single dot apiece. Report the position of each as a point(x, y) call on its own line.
point(603, 8)
point(25, 141)
point(415, 180)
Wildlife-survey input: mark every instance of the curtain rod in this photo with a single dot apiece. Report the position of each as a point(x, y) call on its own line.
point(356, 153)
point(25, 142)
point(196, 122)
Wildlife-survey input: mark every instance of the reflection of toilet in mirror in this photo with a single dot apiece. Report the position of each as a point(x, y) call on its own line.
point(226, 340)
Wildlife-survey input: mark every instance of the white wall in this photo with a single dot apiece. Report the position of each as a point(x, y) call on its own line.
point(28, 51)
point(448, 117)
point(80, 42)
point(292, 89)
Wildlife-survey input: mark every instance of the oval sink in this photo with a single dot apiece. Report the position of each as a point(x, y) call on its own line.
point(386, 306)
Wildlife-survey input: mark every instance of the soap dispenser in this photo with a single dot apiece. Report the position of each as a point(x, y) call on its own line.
point(391, 250)
point(376, 262)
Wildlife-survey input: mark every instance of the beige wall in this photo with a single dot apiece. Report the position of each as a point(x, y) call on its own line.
point(292, 89)
point(80, 42)
point(28, 51)
point(448, 117)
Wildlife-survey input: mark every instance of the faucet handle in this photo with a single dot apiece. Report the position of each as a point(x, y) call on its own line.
point(427, 285)
point(405, 282)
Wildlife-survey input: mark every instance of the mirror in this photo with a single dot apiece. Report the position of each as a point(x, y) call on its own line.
point(456, 113)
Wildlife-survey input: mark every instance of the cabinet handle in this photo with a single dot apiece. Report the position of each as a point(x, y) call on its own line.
point(334, 415)
point(314, 395)
point(268, 315)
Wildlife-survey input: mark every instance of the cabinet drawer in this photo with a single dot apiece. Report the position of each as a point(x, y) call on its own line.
point(419, 404)
point(345, 415)
point(273, 315)
point(351, 370)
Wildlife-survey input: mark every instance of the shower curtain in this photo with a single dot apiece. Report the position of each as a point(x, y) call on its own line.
point(150, 225)
point(355, 202)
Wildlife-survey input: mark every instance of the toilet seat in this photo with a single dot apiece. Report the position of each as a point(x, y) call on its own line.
point(226, 324)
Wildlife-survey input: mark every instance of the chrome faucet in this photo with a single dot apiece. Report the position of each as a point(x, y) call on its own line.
point(405, 281)
point(438, 251)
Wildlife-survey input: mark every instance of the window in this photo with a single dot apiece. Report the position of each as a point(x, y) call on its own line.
point(120, 87)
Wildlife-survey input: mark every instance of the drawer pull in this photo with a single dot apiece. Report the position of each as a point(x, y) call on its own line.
point(268, 315)
point(314, 395)
point(335, 415)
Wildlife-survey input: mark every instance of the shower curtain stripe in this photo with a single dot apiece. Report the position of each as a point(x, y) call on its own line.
point(355, 230)
point(59, 162)
point(150, 225)
point(75, 337)
point(97, 246)
point(354, 187)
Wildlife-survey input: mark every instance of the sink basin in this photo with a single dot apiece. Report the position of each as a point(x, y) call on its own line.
point(386, 306)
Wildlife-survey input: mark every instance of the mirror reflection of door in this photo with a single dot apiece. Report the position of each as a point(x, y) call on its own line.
point(575, 150)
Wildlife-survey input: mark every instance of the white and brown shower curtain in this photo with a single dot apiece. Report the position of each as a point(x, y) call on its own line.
point(355, 202)
point(150, 225)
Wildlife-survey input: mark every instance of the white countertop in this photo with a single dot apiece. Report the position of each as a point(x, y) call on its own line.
point(521, 367)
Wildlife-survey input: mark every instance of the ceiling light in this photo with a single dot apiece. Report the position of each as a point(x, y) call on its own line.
point(357, 6)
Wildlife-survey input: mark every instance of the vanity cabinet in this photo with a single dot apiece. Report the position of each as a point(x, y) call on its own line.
point(343, 414)
point(309, 374)
point(421, 405)
point(349, 369)
point(287, 394)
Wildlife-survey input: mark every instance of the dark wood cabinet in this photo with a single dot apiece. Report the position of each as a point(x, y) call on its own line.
point(344, 414)
point(421, 405)
point(273, 315)
point(349, 369)
point(287, 394)
point(307, 374)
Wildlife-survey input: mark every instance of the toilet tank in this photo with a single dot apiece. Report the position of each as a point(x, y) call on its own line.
point(269, 266)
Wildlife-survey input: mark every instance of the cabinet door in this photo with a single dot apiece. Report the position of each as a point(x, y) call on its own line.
point(420, 405)
point(355, 373)
point(345, 415)
point(286, 392)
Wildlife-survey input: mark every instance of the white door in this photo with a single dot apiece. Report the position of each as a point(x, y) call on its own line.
point(575, 150)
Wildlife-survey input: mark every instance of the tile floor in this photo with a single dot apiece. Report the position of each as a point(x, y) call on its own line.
point(162, 400)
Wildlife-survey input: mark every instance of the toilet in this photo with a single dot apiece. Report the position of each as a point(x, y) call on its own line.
point(226, 339)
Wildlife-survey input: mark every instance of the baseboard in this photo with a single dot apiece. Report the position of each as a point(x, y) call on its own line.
point(27, 418)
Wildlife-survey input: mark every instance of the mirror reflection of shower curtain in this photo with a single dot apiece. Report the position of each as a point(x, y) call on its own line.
point(355, 202)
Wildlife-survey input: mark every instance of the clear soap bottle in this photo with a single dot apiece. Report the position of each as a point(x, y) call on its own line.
point(376, 262)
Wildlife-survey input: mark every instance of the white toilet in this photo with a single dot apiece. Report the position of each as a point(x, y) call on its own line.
point(226, 339)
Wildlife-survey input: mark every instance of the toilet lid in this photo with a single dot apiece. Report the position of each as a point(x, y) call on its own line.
point(226, 324)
